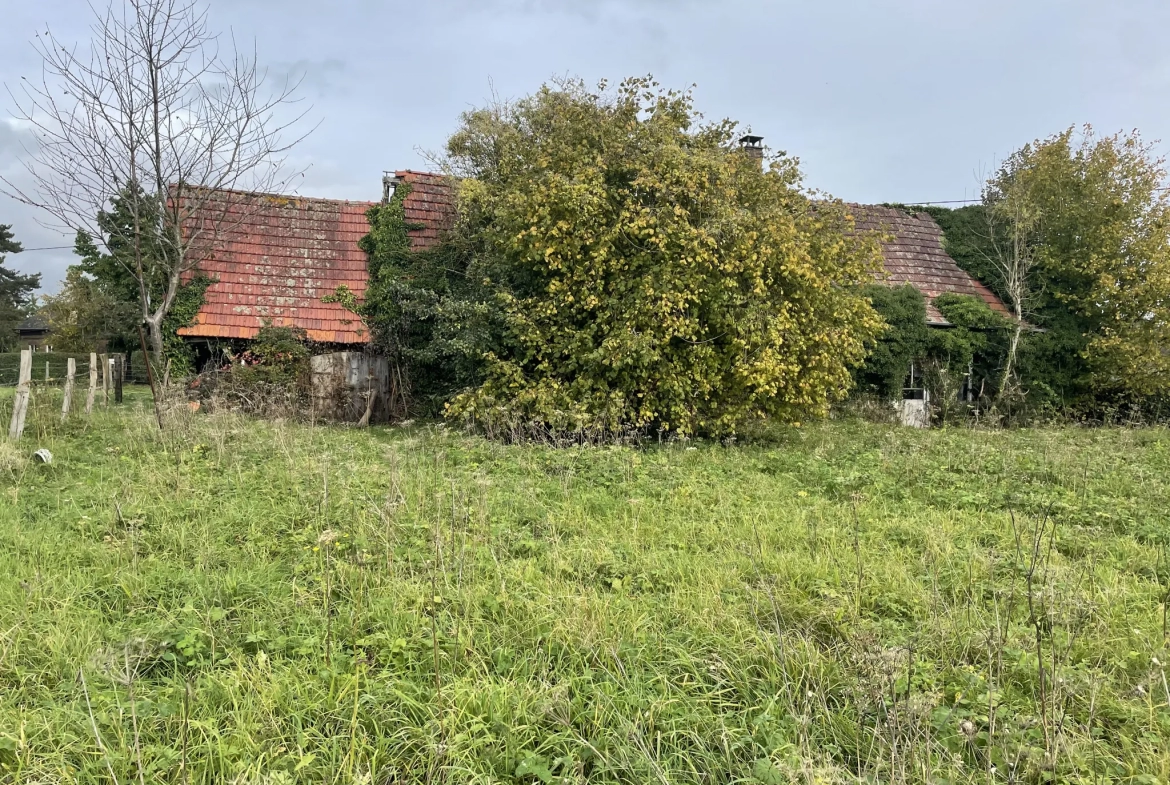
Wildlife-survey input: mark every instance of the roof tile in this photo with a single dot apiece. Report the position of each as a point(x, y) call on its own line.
point(915, 255)
point(279, 255)
point(275, 259)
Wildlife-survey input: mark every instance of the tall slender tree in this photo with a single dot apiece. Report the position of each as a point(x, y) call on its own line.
point(1091, 215)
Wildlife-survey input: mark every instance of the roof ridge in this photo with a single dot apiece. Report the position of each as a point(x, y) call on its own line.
point(274, 195)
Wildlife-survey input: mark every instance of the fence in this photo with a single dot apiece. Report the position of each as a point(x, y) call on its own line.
point(102, 376)
point(133, 367)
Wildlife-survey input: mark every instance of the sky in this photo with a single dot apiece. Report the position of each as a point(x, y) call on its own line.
point(881, 100)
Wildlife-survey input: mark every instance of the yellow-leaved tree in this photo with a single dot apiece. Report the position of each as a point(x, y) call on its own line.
point(649, 273)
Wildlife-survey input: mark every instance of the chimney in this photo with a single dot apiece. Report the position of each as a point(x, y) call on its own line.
point(754, 147)
point(390, 181)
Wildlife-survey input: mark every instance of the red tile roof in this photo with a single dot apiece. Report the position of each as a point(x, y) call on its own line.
point(430, 203)
point(281, 255)
point(276, 260)
point(915, 255)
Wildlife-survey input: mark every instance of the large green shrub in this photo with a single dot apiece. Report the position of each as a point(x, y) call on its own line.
point(1096, 214)
point(646, 272)
point(1096, 220)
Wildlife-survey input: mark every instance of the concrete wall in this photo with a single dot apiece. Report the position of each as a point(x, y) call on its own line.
point(914, 412)
point(343, 383)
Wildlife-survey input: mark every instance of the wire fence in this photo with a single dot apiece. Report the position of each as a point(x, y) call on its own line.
point(51, 367)
point(43, 388)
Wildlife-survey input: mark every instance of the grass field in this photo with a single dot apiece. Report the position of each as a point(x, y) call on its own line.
point(253, 602)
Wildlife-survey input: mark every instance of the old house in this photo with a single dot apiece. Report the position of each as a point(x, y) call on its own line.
point(284, 254)
point(280, 255)
point(34, 333)
point(913, 253)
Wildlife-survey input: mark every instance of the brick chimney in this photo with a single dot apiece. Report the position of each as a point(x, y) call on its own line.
point(753, 146)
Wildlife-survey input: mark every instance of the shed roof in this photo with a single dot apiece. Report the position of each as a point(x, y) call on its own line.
point(33, 324)
point(277, 256)
point(915, 255)
point(430, 205)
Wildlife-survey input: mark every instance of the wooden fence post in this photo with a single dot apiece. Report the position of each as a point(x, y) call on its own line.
point(93, 371)
point(46, 370)
point(70, 373)
point(20, 403)
point(105, 361)
point(119, 372)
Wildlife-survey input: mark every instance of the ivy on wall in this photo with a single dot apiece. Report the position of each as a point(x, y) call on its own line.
point(188, 300)
point(975, 342)
point(421, 308)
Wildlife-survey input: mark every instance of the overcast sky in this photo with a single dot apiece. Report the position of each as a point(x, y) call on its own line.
point(882, 100)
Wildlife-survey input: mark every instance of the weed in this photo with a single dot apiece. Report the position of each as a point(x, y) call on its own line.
point(233, 600)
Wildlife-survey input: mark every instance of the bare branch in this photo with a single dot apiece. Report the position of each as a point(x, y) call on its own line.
point(156, 111)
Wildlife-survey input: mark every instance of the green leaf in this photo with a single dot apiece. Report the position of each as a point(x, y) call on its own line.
point(535, 766)
point(765, 771)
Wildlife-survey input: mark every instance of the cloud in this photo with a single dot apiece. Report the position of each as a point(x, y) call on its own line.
point(29, 232)
point(880, 101)
point(317, 77)
point(583, 7)
point(15, 137)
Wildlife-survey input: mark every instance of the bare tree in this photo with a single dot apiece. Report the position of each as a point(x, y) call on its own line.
point(1010, 224)
point(156, 112)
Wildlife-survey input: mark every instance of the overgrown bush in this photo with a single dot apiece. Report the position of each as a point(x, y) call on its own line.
point(1094, 215)
point(1051, 370)
point(422, 309)
point(903, 308)
point(645, 272)
point(974, 345)
point(271, 377)
point(188, 301)
point(1098, 220)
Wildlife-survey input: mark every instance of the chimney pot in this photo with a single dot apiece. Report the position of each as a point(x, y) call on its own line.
point(754, 147)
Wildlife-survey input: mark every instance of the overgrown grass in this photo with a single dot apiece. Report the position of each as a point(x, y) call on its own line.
point(241, 601)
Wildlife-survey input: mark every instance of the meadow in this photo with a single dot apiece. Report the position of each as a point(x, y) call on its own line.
point(242, 601)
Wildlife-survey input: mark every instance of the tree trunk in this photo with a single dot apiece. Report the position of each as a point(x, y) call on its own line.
point(154, 391)
point(156, 342)
point(1009, 365)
